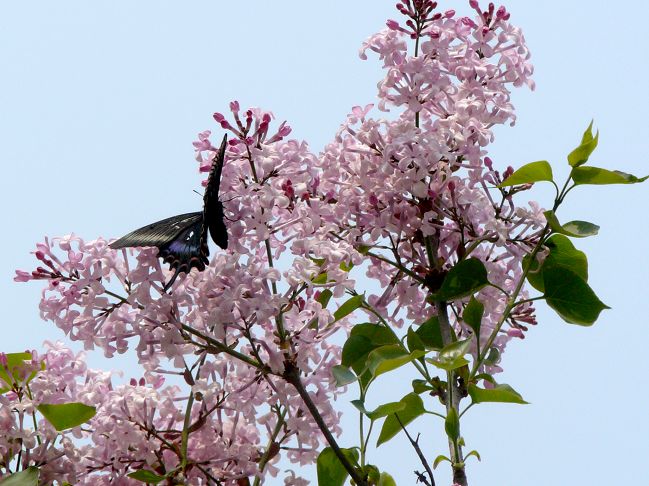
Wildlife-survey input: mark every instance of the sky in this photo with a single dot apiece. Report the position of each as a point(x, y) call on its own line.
point(100, 101)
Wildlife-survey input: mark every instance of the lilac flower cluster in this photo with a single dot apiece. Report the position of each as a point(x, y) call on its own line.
point(403, 182)
point(405, 199)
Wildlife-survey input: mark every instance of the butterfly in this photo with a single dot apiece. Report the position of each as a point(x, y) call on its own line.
point(182, 240)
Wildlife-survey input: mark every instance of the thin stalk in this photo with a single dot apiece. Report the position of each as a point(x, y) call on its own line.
point(408, 272)
point(29, 394)
point(269, 255)
point(225, 349)
point(185, 432)
point(467, 409)
point(292, 376)
point(361, 434)
point(525, 301)
point(265, 458)
point(420, 454)
point(416, 54)
point(511, 303)
point(453, 398)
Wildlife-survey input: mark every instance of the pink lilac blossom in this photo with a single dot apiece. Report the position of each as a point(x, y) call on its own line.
point(402, 182)
point(136, 426)
point(378, 190)
point(104, 299)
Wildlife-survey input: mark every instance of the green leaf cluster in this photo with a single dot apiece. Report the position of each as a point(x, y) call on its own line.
point(563, 275)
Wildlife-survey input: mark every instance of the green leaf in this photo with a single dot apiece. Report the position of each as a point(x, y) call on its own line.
point(532, 172)
point(414, 407)
point(363, 249)
point(465, 278)
point(430, 334)
point(377, 334)
point(420, 386)
point(17, 370)
point(380, 411)
point(318, 261)
point(386, 480)
point(349, 306)
point(146, 476)
point(390, 357)
point(452, 424)
point(414, 342)
point(439, 459)
point(499, 393)
point(448, 365)
point(26, 477)
point(330, 470)
point(346, 267)
point(324, 297)
point(486, 377)
point(363, 339)
point(473, 313)
point(371, 472)
point(580, 155)
point(452, 356)
point(355, 351)
point(64, 416)
point(473, 453)
point(321, 278)
point(588, 134)
point(580, 229)
point(360, 406)
point(385, 410)
point(493, 357)
point(343, 375)
point(570, 296)
point(562, 253)
point(597, 176)
point(576, 229)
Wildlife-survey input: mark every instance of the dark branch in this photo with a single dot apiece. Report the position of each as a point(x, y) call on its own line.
point(292, 375)
point(422, 458)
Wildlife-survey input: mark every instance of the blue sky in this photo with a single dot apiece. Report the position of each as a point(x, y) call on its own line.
point(100, 102)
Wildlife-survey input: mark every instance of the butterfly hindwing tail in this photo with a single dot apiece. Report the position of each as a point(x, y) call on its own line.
point(178, 240)
point(188, 250)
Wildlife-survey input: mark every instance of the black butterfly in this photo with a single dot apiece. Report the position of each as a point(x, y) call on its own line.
point(182, 239)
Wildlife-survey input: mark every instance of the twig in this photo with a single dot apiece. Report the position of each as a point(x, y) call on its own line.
point(220, 347)
point(291, 375)
point(422, 458)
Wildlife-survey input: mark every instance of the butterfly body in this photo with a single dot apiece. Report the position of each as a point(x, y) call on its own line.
point(182, 240)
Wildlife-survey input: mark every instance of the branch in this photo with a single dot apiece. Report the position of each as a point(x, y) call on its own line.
point(224, 348)
point(292, 376)
point(268, 453)
point(422, 458)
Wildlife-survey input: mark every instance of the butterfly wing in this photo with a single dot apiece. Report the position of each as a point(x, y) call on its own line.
point(179, 241)
point(182, 240)
point(158, 233)
point(212, 207)
point(186, 251)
